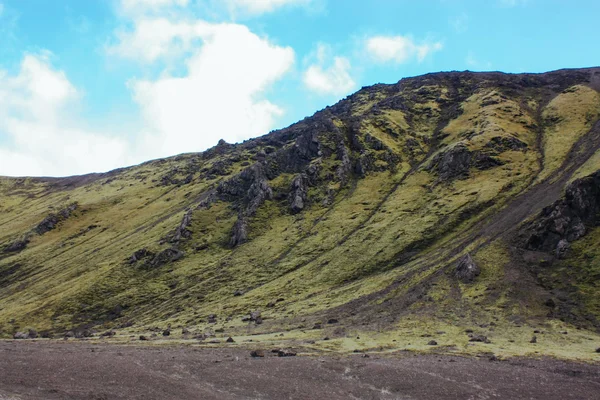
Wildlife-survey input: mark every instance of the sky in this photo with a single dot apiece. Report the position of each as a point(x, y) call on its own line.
point(93, 85)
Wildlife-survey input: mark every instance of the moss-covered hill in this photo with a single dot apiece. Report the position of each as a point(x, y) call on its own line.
point(361, 213)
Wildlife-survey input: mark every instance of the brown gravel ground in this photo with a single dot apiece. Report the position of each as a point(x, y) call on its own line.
point(68, 370)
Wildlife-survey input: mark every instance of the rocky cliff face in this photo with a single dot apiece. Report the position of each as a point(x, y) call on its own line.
point(399, 201)
point(568, 219)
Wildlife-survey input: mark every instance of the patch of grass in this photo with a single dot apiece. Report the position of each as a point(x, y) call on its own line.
point(568, 117)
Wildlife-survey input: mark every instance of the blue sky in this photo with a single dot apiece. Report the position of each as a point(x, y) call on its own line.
point(91, 85)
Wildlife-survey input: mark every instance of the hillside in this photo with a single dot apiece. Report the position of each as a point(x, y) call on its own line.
point(444, 202)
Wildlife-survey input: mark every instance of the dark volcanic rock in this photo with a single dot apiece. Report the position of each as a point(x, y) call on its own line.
point(239, 232)
point(466, 269)
point(298, 193)
point(432, 343)
point(250, 187)
point(453, 163)
point(479, 338)
point(21, 335)
point(166, 256)
point(140, 255)
point(567, 219)
point(562, 249)
point(182, 231)
point(52, 220)
point(500, 144)
point(17, 245)
point(257, 353)
point(286, 353)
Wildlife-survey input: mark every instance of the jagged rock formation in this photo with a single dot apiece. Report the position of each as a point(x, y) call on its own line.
point(568, 219)
point(466, 270)
point(298, 193)
point(52, 220)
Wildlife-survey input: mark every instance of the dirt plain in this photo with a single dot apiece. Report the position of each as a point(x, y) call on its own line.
point(70, 370)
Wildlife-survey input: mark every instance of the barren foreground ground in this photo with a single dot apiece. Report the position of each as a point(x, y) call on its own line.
point(57, 370)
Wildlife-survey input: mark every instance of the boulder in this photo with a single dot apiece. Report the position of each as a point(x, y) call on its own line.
point(479, 338)
point(254, 315)
point(432, 343)
point(286, 353)
point(257, 353)
point(562, 249)
point(230, 340)
point(21, 335)
point(466, 270)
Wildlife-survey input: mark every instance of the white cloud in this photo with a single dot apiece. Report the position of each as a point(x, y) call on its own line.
point(460, 23)
point(474, 63)
point(221, 94)
point(220, 91)
point(335, 80)
point(1, 9)
point(42, 134)
point(154, 38)
point(399, 49)
point(138, 5)
point(256, 7)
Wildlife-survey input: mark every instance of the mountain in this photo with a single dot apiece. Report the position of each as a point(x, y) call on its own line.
point(446, 201)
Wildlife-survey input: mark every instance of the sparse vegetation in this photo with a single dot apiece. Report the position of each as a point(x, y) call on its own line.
point(373, 245)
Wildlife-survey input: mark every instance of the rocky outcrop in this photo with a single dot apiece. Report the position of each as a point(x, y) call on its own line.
point(466, 270)
point(298, 193)
point(500, 144)
point(165, 257)
point(139, 255)
point(239, 232)
point(52, 220)
point(183, 231)
point(567, 219)
point(248, 190)
point(30, 334)
point(456, 161)
point(17, 245)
